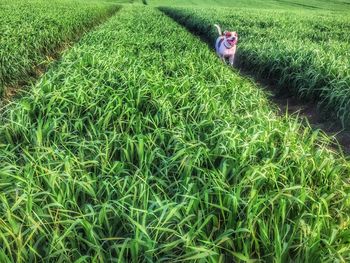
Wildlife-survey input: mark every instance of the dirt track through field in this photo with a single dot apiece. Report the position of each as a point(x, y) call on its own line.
point(286, 101)
point(16, 89)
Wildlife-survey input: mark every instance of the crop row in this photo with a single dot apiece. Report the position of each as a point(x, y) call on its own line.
point(136, 148)
point(297, 5)
point(33, 29)
point(306, 53)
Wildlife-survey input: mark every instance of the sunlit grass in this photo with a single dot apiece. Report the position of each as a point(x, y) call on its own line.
point(305, 53)
point(136, 148)
point(33, 30)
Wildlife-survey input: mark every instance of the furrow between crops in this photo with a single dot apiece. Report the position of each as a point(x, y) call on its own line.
point(284, 98)
point(34, 33)
point(134, 147)
point(301, 54)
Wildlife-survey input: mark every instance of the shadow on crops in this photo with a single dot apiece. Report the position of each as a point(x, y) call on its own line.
point(286, 99)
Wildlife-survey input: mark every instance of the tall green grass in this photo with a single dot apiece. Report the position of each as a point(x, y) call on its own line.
point(309, 5)
point(136, 148)
point(304, 53)
point(30, 30)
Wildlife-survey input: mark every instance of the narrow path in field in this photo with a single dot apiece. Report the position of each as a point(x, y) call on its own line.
point(16, 90)
point(308, 111)
point(287, 102)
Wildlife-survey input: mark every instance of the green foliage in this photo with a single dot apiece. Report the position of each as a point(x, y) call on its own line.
point(134, 147)
point(306, 53)
point(297, 5)
point(32, 29)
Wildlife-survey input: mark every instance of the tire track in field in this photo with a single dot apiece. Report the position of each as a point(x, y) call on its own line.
point(11, 91)
point(285, 101)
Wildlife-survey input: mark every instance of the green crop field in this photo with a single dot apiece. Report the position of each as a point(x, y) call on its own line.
point(306, 53)
point(30, 30)
point(296, 5)
point(140, 145)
